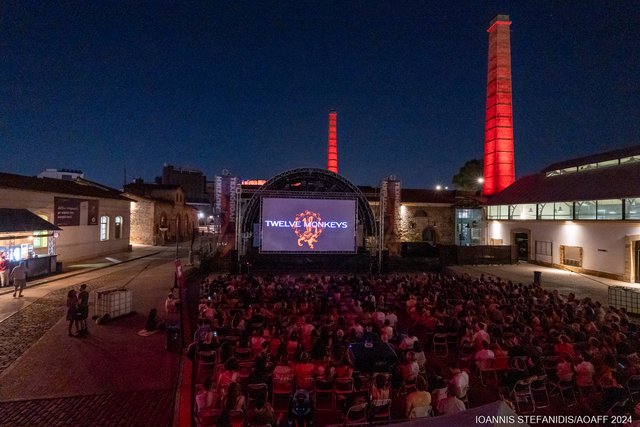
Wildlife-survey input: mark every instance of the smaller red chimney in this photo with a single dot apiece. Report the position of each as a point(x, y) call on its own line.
point(332, 155)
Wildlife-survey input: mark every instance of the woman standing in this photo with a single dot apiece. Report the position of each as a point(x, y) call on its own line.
point(72, 310)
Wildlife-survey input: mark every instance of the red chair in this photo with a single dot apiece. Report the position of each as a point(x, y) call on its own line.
point(282, 388)
point(208, 417)
point(381, 411)
point(342, 388)
point(323, 387)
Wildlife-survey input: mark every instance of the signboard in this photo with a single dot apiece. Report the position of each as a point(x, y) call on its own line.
point(70, 212)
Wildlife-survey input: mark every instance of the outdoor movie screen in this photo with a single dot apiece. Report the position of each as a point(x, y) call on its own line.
point(308, 225)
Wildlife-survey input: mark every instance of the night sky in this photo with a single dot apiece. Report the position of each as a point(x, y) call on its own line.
point(247, 85)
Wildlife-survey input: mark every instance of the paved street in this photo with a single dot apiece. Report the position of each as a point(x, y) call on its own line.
point(581, 285)
point(113, 377)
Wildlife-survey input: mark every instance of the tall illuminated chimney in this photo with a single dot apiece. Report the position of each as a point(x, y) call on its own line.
point(499, 169)
point(332, 155)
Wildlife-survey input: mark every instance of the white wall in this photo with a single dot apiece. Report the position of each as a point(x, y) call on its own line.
point(77, 242)
point(603, 242)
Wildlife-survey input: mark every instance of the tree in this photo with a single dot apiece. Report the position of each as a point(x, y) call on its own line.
point(469, 177)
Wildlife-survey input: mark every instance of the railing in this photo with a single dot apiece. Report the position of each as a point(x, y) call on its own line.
point(623, 297)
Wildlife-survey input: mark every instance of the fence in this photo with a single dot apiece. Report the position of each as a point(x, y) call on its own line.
point(623, 297)
point(475, 255)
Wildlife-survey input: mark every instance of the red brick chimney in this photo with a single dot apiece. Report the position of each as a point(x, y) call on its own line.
point(499, 168)
point(332, 155)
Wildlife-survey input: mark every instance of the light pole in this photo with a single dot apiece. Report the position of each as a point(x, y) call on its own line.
point(177, 234)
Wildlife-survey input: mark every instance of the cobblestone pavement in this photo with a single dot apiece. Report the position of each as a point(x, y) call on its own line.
point(24, 328)
point(150, 408)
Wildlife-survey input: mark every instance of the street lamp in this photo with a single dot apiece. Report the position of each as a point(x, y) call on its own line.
point(177, 234)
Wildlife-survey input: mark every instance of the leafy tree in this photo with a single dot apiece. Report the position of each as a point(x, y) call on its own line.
point(467, 178)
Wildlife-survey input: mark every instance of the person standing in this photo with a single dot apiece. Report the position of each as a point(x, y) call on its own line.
point(72, 310)
point(4, 273)
point(19, 277)
point(83, 308)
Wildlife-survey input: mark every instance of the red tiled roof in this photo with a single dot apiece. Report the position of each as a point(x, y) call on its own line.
point(615, 182)
point(78, 187)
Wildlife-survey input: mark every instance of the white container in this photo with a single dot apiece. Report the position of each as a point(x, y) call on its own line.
point(114, 302)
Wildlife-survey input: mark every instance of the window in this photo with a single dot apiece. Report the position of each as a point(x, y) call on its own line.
point(586, 209)
point(547, 211)
point(571, 255)
point(498, 212)
point(118, 228)
point(40, 239)
point(632, 209)
point(523, 212)
point(631, 159)
point(544, 248)
point(587, 167)
point(104, 228)
point(608, 163)
point(609, 209)
point(563, 211)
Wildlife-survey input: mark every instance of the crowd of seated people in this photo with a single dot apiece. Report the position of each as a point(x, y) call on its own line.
point(298, 328)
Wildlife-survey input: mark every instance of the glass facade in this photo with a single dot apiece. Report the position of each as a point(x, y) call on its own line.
point(469, 225)
point(602, 210)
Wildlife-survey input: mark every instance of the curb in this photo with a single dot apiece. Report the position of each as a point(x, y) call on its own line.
point(55, 277)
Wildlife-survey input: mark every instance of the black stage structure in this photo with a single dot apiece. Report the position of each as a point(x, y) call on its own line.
point(307, 183)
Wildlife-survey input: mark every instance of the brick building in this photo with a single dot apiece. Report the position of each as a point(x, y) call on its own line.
point(160, 213)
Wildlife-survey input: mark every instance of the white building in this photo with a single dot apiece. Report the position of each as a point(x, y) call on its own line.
point(93, 219)
point(582, 215)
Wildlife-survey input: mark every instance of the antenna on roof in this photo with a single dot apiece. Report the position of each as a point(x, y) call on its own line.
point(125, 176)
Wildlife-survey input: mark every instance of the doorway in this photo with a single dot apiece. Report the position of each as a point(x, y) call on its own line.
point(522, 245)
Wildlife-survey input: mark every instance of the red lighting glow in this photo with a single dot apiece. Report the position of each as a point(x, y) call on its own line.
point(332, 157)
point(499, 168)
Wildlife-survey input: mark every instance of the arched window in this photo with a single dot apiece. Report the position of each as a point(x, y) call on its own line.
point(104, 228)
point(118, 229)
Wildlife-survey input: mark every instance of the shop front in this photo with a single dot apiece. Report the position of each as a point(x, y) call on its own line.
point(24, 236)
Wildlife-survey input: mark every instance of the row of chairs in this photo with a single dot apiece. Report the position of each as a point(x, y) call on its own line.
point(379, 412)
point(325, 393)
point(213, 418)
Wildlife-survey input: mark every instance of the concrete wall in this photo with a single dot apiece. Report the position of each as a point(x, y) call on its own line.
point(605, 243)
point(77, 242)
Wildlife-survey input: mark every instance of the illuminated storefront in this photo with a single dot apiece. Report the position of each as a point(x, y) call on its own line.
point(24, 236)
